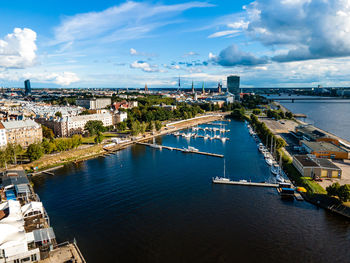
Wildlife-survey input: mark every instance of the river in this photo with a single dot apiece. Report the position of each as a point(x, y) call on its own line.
point(146, 205)
point(330, 115)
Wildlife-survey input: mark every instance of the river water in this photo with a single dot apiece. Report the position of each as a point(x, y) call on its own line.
point(146, 205)
point(330, 115)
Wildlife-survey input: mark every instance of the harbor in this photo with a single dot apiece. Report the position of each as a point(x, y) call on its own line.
point(152, 198)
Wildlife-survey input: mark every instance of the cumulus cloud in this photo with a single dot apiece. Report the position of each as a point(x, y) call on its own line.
point(134, 52)
point(61, 79)
point(130, 20)
point(17, 49)
point(144, 66)
point(232, 56)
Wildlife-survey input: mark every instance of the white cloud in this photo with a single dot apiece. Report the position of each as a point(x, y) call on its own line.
point(133, 51)
point(224, 33)
point(61, 79)
point(17, 50)
point(191, 54)
point(130, 20)
point(144, 66)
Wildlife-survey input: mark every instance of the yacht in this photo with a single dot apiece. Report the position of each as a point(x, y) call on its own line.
point(268, 161)
point(275, 169)
point(222, 179)
point(279, 178)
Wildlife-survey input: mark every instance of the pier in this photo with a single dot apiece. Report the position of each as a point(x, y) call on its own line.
point(245, 183)
point(182, 150)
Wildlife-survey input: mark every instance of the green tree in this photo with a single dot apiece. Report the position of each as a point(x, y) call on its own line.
point(158, 125)
point(256, 111)
point(135, 128)
point(333, 189)
point(93, 127)
point(122, 126)
point(143, 127)
point(47, 132)
point(35, 151)
point(4, 158)
point(344, 193)
point(76, 140)
point(58, 114)
point(99, 138)
point(289, 115)
point(150, 126)
point(238, 114)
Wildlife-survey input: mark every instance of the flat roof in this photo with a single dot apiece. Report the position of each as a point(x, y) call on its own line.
point(307, 161)
point(323, 146)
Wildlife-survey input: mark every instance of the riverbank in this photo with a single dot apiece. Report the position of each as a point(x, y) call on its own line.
point(83, 153)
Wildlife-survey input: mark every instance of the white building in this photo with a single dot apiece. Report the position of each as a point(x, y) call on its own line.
point(94, 104)
point(3, 139)
point(15, 244)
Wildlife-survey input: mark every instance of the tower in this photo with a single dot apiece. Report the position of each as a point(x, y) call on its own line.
point(233, 86)
point(203, 90)
point(146, 88)
point(27, 88)
point(219, 87)
point(179, 88)
point(192, 88)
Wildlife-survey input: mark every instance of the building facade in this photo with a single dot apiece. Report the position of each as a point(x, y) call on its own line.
point(94, 104)
point(233, 83)
point(324, 150)
point(24, 132)
point(27, 88)
point(3, 139)
point(310, 166)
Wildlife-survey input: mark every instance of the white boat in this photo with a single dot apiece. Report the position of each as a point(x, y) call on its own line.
point(223, 139)
point(268, 161)
point(206, 137)
point(275, 169)
point(279, 178)
point(222, 179)
point(190, 149)
point(177, 134)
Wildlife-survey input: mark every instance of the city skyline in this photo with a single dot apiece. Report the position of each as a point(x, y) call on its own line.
point(129, 44)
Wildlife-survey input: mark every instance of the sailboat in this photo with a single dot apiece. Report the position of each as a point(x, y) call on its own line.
point(154, 145)
point(222, 179)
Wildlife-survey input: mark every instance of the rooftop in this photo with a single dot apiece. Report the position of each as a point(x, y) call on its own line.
point(20, 124)
point(307, 161)
point(323, 146)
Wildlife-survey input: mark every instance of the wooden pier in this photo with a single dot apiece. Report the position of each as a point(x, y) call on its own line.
point(184, 151)
point(245, 183)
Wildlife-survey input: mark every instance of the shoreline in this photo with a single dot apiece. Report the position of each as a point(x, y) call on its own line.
point(79, 155)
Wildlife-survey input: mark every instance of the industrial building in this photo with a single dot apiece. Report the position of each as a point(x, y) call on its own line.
point(323, 149)
point(310, 166)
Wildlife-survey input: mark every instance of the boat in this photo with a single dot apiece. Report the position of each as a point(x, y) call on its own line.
point(222, 179)
point(223, 139)
point(285, 190)
point(155, 146)
point(268, 161)
point(275, 169)
point(177, 134)
point(190, 149)
point(279, 178)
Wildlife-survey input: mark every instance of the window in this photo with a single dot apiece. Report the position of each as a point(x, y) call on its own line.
point(34, 257)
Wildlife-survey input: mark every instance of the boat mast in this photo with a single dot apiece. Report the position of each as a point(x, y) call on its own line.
point(271, 142)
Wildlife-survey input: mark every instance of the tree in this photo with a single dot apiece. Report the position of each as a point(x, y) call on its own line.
point(135, 128)
point(143, 127)
point(121, 126)
point(238, 114)
point(58, 114)
point(289, 115)
point(256, 111)
point(4, 158)
point(47, 132)
point(76, 140)
point(35, 151)
point(150, 126)
point(93, 127)
point(158, 125)
point(344, 193)
point(99, 138)
point(332, 190)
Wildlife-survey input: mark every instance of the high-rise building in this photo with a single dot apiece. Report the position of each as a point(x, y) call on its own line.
point(27, 88)
point(233, 86)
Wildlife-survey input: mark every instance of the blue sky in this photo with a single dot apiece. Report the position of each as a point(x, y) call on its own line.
point(131, 43)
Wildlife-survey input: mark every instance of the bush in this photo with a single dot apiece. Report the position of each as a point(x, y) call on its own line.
point(35, 151)
point(340, 191)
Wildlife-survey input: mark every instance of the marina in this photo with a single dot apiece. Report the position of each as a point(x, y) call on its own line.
point(159, 207)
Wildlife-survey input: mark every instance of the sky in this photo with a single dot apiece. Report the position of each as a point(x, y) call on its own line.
point(127, 44)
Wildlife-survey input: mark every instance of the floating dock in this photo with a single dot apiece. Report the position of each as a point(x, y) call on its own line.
point(184, 151)
point(298, 196)
point(245, 183)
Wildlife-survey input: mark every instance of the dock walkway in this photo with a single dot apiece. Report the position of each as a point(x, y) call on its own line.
point(182, 150)
point(245, 183)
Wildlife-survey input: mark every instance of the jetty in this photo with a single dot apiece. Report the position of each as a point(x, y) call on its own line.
point(246, 183)
point(183, 150)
